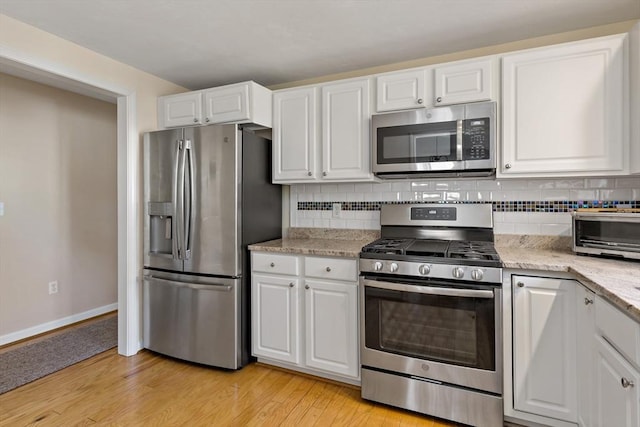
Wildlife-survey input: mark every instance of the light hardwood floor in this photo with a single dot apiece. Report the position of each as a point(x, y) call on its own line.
point(151, 390)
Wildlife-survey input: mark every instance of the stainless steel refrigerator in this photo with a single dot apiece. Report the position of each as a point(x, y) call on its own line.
point(207, 195)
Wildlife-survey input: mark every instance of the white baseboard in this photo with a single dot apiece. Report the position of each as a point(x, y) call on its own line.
point(54, 324)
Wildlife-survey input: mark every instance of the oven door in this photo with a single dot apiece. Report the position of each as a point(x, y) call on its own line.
point(439, 331)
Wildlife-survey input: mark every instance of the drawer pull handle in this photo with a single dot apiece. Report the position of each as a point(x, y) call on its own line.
point(306, 286)
point(587, 301)
point(626, 383)
point(291, 285)
point(272, 264)
point(328, 269)
point(520, 285)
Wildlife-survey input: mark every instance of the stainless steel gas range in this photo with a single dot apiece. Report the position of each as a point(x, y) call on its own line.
point(431, 313)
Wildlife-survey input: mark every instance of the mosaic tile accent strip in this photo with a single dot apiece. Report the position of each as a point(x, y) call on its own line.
point(554, 206)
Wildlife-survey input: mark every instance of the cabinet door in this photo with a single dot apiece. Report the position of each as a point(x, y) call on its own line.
point(565, 110)
point(227, 104)
point(275, 311)
point(616, 389)
point(345, 131)
point(544, 347)
point(184, 109)
point(403, 90)
point(585, 316)
point(294, 135)
point(463, 82)
point(331, 326)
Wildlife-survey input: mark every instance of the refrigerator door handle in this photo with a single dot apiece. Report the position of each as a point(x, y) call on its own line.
point(189, 216)
point(212, 287)
point(180, 182)
point(176, 197)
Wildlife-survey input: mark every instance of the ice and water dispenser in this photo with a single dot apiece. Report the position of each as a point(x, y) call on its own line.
point(160, 228)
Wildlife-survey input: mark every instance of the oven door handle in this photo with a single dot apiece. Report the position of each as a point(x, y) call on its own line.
point(431, 290)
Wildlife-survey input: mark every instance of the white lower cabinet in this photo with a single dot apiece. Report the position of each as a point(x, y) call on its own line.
point(571, 358)
point(544, 347)
point(275, 312)
point(305, 314)
point(616, 374)
point(616, 389)
point(585, 358)
point(331, 327)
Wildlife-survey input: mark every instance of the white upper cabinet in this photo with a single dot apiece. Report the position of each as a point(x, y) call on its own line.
point(634, 81)
point(342, 128)
point(465, 81)
point(345, 131)
point(404, 90)
point(565, 110)
point(240, 103)
point(183, 109)
point(451, 83)
point(246, 102)
point(294, 135)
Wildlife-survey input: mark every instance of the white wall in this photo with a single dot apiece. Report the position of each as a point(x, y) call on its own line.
point(540, 217)
point(41, 53)
point(58, 186)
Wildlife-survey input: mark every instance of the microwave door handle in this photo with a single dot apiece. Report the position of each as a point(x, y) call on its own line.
point(459, 136)
point(429, 290)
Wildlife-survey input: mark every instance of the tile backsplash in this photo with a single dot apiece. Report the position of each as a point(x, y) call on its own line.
point(521, 206)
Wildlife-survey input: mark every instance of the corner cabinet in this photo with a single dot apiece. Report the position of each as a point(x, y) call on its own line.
point(246, 102)
point(305, 314)
point(565, 110)
point(341, 127)
point(571, 358)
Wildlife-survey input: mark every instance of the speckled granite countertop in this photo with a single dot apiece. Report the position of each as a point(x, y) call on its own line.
point(616, 280)
point(322, 242)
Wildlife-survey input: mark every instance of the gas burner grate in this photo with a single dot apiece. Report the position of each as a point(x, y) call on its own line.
point(388, 246)
point(472, 250)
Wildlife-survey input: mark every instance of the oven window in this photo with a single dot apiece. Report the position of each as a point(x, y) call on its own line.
point(455, 330)
point(433, 142)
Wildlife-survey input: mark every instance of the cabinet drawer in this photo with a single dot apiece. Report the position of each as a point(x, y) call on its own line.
point(621, 331)
point(271, 263)
point(331, 268)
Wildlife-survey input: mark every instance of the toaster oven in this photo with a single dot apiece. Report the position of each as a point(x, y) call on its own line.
point(613, 233)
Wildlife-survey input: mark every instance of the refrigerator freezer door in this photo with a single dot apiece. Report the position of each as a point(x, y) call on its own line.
point(212, 220)
point(192, 318)
point(161, 155)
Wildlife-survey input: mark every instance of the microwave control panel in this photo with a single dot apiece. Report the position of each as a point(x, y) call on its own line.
point(475, 145)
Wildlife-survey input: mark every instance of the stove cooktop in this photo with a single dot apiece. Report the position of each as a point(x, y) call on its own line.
point(458, 251)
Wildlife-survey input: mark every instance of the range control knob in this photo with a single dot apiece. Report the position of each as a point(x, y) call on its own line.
point(377, 266)
point(458, 273)
point(393, 267)
point(476, 274)
point(424, 269)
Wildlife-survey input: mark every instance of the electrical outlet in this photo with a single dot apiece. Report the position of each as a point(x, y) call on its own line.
point(53, 287)
point(337, 208)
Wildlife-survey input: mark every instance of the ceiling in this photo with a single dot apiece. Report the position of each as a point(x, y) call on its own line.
point(206, 43)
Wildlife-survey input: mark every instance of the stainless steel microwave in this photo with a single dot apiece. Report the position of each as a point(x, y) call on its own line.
point(607, 233)
point(458, 140)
